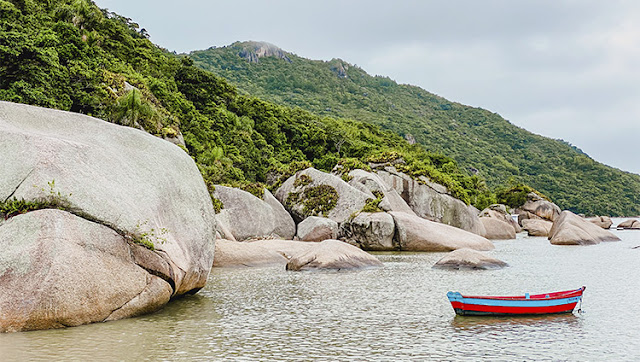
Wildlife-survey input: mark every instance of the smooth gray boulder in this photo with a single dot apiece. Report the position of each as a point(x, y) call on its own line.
point(122, 179)
point(466, 258)
point(499, 211)
point(629, 224)
point(370, 231)
point(248, 217)
point(414, 233)
point(537, 227)
point(315, 193)
point(537, 207)
point(245, 254)
point(571, 229)
point(332, 254)
point(432, 201)
point(370, 182)
point(316, 228)
point(497, 229)
point(602, 221)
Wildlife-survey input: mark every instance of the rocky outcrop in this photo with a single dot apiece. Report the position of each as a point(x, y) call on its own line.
point(432, 201)
point(332, 254)
point(602, 221)
point(571, 229)
point(248, 217)
point(316, 228)
point(120, 185)
point(537, 227)
point(417, 234)
point(314, 193)
point(629, 224)
point(252, 51)
point(466, 258)
point(370, 231)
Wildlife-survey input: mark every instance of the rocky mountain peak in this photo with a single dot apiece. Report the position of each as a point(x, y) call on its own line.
point(254, 50)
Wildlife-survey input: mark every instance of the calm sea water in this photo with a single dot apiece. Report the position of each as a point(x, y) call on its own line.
point(398, 312)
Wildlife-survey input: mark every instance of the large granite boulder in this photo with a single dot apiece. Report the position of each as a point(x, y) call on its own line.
point(537, 227)
point(332, 254)
point(370, 231)
point(315, 193)
point(629, 224)
point(496, 229)
point(248, 217)
point(120, 186)
point(538, 208)
point(258, 253)
point(602, 221)
point(571, 229)
point(370, 182)
point(432, 201)
point(316, 228)
point(466, 258)
point(498, 223)
point(414, 233)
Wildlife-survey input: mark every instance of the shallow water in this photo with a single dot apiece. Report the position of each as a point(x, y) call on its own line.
point(399, 311)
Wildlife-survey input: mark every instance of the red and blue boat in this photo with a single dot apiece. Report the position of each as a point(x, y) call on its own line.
point(547, 303)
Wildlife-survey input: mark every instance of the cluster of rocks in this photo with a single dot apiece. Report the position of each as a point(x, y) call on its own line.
point(137, 204)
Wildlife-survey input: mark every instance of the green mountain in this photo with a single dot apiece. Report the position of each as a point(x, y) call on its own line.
point(74, 56)
point(481, 141)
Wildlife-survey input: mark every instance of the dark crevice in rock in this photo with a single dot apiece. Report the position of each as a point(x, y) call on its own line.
point(20, 184)
point(149, 281)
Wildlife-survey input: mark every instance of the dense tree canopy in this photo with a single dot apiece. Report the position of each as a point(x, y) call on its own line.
point(71, 55)
point(481, 141)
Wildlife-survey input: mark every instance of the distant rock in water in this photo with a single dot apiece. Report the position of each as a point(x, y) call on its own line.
point(414, 233)
point(466, 258)
point(315, 228)
point(571, 229)
point(120, 188)
point(538, 208)
point(333, 254)
point(629, 224)
point(254, 50)
point(602, 221)
point(537, 227)
point(498, 224)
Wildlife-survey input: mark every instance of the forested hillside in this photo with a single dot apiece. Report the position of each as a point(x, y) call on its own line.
point(481, 141)
point(73, 56)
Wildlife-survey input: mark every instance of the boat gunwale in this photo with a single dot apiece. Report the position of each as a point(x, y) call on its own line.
point(545, 296)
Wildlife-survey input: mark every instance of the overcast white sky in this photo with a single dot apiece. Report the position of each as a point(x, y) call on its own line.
point(561, 68)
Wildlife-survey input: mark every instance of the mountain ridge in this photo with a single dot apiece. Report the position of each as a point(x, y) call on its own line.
point(482, 141)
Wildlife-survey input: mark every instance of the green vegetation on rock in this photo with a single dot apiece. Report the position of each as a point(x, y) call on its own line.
point(481, 141)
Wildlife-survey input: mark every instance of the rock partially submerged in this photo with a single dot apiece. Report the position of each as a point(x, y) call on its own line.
point(496, 229)
point(315, 228)
point(629, 224)
point(571, 229)
point(333, 254)
point(466, 258)
point(417, 234)
point(246, 216)
point(537, 227)
point(121, 185)
point(602, 221)
point(538, 208)
point(371, 231)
